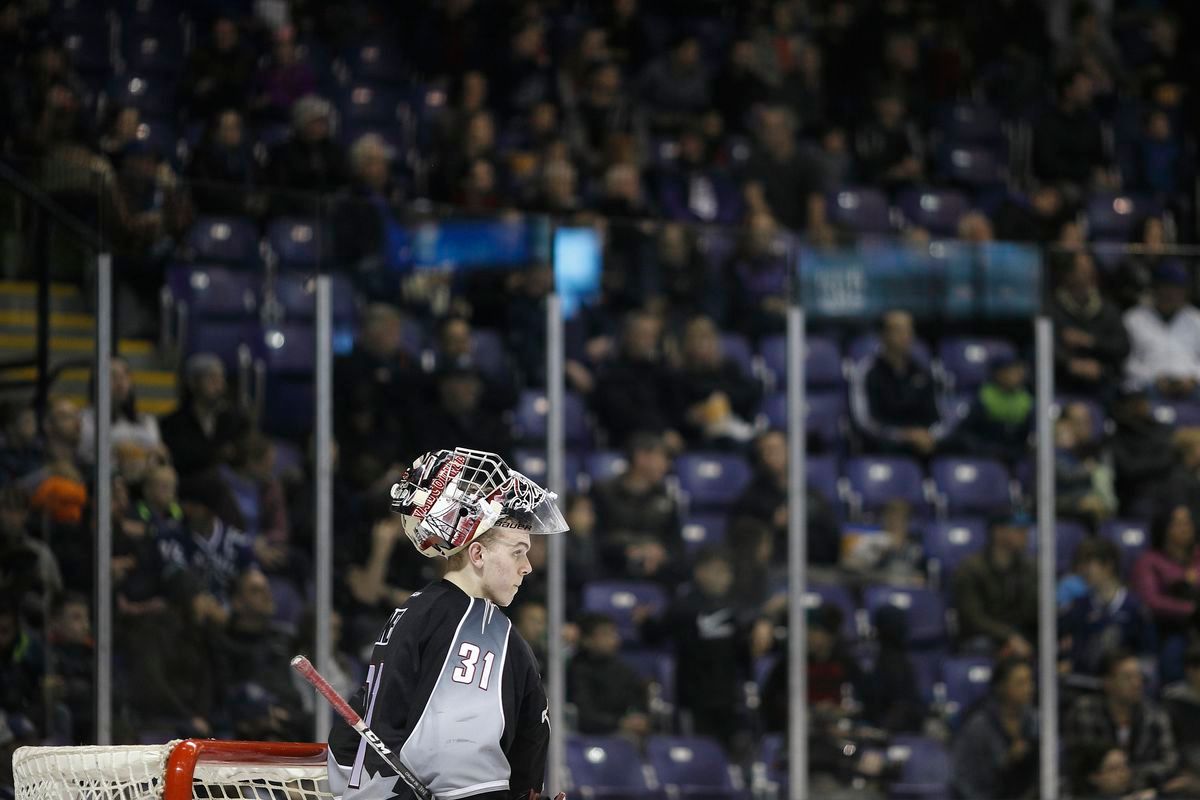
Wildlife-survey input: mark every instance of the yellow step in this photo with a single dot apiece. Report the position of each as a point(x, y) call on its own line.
point(28, 288)
point(58, 319)
point(158, 406)
point(72, 344)
point(141, 377)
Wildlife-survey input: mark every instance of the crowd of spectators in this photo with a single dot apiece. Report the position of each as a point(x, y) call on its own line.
point(646, 117)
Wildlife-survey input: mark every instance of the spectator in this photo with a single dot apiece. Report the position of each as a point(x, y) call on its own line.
point(345, 673)
point(460, 418)
point(1165, 335)
point(582, 556)
point(1090, 340)
point(1122, 717)
point(455, 345)
point(605, 111)
point(69, 678)
point(60, 440)
point(365, 219)
point(1141, 450)
point(22, 665)
point(891, 698)
point(282, 80)
point(1092, 47)
point(693, 189)
point(201, 433)
point(250, 477)
point(1130, 285)
point(477, 142)
point(893, 397)
point(632, 392)
point(159, 508)
point(996, 752)
point(675, 87)
point(1108, 616)
point(687, 285)
point(309, 160)
point(833, 674)
point(707, 624)
point(1084, 480)
point(253, 652)
point(1068, 145)
point(1099, 770)
point(738, 87)
point(208, 549)
point(1166, 577)
point(470, 96)
point(639, 518)
point(765, 500)
point(217, 75)
point(531, 622)
point(1162, 162)
point(1183, 705)
point(1182, 486)
point(142, 540)
point(120, 133)
point(1037, 219)
point(759, 276)
point(712, 395)
point(802, 87)
point(21, 452)
point(608, 694)
point(974, 227)
point(128, 424)
point(888, 148)
point(556, 191)
point(891, 555)
point(222, 171)
point(781, 179)
point(29, 570)
point(524, 76)
point(995, 592)
point(999, 423)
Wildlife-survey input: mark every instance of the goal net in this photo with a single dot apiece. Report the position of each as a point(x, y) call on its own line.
point(195, 769)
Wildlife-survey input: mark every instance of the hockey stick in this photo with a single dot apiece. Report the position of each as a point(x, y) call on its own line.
point(352, 718)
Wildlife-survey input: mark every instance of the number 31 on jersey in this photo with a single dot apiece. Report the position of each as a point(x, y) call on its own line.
point(465, 671)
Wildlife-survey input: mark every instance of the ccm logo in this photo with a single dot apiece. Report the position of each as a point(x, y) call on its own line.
point(374, 739)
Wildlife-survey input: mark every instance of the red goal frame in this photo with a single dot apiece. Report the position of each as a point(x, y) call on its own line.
point(185, 756)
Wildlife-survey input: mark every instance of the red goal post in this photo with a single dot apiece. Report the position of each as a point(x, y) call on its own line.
point(193, 769)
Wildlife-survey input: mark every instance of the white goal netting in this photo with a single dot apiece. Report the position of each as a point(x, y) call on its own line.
point(199, 770)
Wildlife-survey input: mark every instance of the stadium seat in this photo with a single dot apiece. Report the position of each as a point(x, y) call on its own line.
point(936, 210)
point(532, 464)
point(702, 530)
point(925, 608)
point(214, 292)
point(1067, 537)
point(860, 210)
point(971, 485)
point(949, 541)
point(376, 63)
point(153, 48)
point(924, 766)
point(296, 242)
point(822, 362)
point(364, 104)
point(150, 94)
point(737, 349)
point(712, 480)
point(227, 240)
point(604, 465)
point(226, 339)
point(867, 344)
point(1130, 536)
point(692, 767)
point(89, 46)
point(927, 669)
point(1113, 216)
point(297, 296)
point(530, 417)
point(606, 767)
point(822, 475)
point(655, 667)
point(966, 680)
point(876, 480)
point(838, 595)
point(1178, 414)
point(966, 360)
point(971, 123)
point(824, 420)
point(771, 766)
point(618, 599)
point(971, 165)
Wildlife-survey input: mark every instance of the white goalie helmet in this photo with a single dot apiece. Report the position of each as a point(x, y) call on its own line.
point(449, 498)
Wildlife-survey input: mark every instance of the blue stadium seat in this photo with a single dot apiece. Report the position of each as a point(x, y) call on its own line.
point(936, 210)
point(692, 766)
point(150, 94)
point(529, 421)
point(290, 348)
point(822, 474)
point(949, 541)
point(296, 242)
point(210, 292)
point(925, 609)
point(156, 49)
point(839, 596)
point(606, 768)
point(604, 465)
point(860, 210)
point(702, 530)
point(1130, 536)
point(656, 667)
point(1068, 536)
point(363, 103)
point(966, 359)
point(824, 419)
point(297, 296)
point(971, 165)
point(226, 339)
point(228, 240)
point(1113, 216)
point(736, 348)
point(712, 480)
point(966, 680)
point(618, 599)
point(924, 766)
point(822, 362)
point(1178, 413)
point(876, 480)
point(971, 485)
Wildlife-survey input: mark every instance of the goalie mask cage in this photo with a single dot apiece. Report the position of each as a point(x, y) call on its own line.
point(193, 769)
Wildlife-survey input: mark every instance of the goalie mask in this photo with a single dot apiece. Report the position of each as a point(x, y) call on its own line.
point(449, 498)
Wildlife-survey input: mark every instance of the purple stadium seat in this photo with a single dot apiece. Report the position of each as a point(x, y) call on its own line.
point(860, 210)
point(289, 602)
point(606, 768)
point(297, 242)
point(971, 485)
point(150, 94)
point(927, 666)
point(1177, 414)
point(825, 416)
point(226, 339)
point(370, 104)
point(376, 63)
point(936, 210)
point(290, 348)
point(971, 123)
point(604, 465)
point(965, 359)
point(1130, 536)
point(947, 542)
point(822, 362)
point(876, 480)
point(228, 240)
point(1067, 537)
point(655, 666)
point(925, 608)
point(692, 767)
point(712, 480)
point(297, 295)
point(972, 165)
point(529, 422)
point(737, 349)
point(89, 46)
point(822, 473)
point(532, 464)
point(701, 530)
point(966, 680)
point(838, 595)
point(618, 599)
point(772, 763)
point(1114, 216)
point(210, 292)
point(154, 48)
point(924, 768)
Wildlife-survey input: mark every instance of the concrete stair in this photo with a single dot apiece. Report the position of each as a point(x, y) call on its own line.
point(72, 336)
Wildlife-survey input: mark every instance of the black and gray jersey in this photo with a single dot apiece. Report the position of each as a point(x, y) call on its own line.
point(454, 689)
